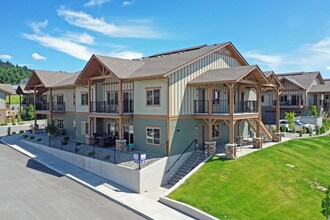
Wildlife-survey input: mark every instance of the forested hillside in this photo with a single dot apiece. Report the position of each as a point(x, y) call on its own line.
point(12, 74)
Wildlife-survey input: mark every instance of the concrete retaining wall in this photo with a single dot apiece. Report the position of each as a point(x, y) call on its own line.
point(311, 120)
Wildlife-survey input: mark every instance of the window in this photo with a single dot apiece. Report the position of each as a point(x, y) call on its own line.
point(112, 98)
point(153, 97)
point(74, 100)
point(113, 131)
point(216, 97)
point(84, 127)
point(60, 123)
point(216, 131)
point(84, 98)
point(59, 99)
point(153, 136)
point(129, 133)
point(262, 98)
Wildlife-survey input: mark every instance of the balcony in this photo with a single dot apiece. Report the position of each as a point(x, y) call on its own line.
point(222, 106)
point(108, 108)
point(317, 102)
point(58, 107)
point(297, 102)
point(42, 106)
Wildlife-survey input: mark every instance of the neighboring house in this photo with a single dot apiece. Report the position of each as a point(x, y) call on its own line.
point(301, 90)
point(5, 90)
point(27, 97)
point(161, 103)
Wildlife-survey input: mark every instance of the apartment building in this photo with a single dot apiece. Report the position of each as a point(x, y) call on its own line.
point(5, 90)
point(161, 102)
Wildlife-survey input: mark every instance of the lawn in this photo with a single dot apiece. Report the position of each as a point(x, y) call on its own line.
point(14, 99)
point(263, 185)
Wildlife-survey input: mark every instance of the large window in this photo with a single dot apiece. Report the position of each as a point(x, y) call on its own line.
point(153, 97)
point(129, 133)
point(84, 98)
point(153, 135)
point(216, 97)
point(112, 98)
point(60, 123)
point(216, 131)
point(113, 130)
point(84, 127)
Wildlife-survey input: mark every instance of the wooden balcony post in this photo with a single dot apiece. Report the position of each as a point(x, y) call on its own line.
point(231, 112)
point(209, 123)
point(89, 95)
point(50, 104)
point(210, 88)
point(231, 131)
point(259, 109)
point(35, 105)
point(120, 98)
point(277, 110)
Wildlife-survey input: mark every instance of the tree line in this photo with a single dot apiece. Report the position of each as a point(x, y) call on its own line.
point(13, 74)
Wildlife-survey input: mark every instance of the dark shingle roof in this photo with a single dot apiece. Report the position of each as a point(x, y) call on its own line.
point(223, 75)
point(21, 90)
point(159, 64)
point(70, 81)
point(302, 79)
point(320, 88)
point(51, 78)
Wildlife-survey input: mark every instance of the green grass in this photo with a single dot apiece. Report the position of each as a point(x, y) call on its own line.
point(14, 99)
point(261, 185)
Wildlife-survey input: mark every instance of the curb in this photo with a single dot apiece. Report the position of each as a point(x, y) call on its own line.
point(82, 183)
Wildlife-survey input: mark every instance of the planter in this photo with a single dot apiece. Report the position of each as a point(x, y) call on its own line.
point(121, 145)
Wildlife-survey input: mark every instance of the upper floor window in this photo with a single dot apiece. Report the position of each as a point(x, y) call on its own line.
point(153, 97)
point(262, 98)
point(216, 97)
point(84, 98)
point(112, 98)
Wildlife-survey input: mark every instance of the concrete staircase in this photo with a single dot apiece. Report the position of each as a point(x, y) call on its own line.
point(196, 158)
point(263, 131)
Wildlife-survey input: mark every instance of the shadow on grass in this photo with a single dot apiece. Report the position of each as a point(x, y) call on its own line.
point(39, 167)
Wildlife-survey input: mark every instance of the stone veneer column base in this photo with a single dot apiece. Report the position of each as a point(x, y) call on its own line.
point(121, 145)
point(230, 151)
point(277, 137)
point(210, 147)
point(257, 142)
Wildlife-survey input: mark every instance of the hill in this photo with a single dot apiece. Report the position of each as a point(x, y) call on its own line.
point(13, 74)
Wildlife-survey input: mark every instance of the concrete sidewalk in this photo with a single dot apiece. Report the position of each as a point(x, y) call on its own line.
point(143, 204)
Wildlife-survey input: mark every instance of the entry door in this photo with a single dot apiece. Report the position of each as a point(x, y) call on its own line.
point(201, 136)
point(200, 96)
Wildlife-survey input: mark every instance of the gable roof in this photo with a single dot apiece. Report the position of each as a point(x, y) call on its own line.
point(161, 64)
point(46, 78)
point(271, 76)
point(70, 81)
point(232, 74)
point(7, 88)
point(320, 88)
point(301, 79)
point(21, 90)
point(326, 81)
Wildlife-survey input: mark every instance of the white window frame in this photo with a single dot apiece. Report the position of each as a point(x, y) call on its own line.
point(84, 127)
point(151, 139)
point(81, 98)
point(153, 97)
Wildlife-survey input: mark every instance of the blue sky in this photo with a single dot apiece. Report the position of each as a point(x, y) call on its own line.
point(61, 35)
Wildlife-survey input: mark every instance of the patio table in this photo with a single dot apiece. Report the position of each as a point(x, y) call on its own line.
point(101, 140)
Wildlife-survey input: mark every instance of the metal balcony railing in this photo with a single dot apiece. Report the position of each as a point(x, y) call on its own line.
point(42, 106)
point(58, 106)
point(106, 107)
point(222, 106)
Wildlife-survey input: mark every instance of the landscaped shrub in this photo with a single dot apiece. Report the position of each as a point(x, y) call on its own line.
point(32, 137)
point(39, 139)
point(310, 132)
point(13, 123)
point(314, 110)
point(30, 130)
point(302, 131)
point(317, 129)
point(322, 130)
point(4, 124)
point(25, 136)
point(76, 149)
point(21, 131)
point(14, 132)
point(91, 153)
point(290, 117)
point(21, 123)
point(107, 157)
point(283, 128)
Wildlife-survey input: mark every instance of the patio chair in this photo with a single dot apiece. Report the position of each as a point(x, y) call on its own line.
point(239, 142)
point(130, 147)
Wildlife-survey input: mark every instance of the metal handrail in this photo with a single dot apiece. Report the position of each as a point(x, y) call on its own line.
point(194, 141)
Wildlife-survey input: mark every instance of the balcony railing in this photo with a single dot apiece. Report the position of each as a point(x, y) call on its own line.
point(42, 106)
point(245, 106)
point(58, 106)
point(222, 106)
point(317, 102)
point(106, 107)
point(290, 102)
point(27, 102)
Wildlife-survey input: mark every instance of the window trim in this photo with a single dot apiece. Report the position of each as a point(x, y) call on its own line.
point(160, 135)
point(213, 133)
point(86, 127)
point(146, 96)
point(81, 100)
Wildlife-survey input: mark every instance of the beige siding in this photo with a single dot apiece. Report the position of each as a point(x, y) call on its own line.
point(183, 95)
point(140, 97)
point(3, 100)
point(67, 96)
point(79, 107)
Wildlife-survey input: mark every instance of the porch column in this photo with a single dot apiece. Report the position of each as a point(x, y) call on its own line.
point(50, 101)
point(277, 110)
point(89, 97)
point(259, 109)
point(231, 131)
point(238, 127)
point(35, 105)
point(120, 97)
point(231, 112)
point(210, 87)
point(209, 124)
point(239, 97)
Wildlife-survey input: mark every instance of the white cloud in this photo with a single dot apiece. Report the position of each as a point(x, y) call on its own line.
point(37, 56)
point(5, 57)
point(95, 3)
point(128, 3)
point(269, 60)
point(80, 37)
point(86, 21)
point(127, 54)
point(61, 44)
point(37, 26)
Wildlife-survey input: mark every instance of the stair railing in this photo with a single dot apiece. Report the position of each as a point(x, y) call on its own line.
point(193, 143)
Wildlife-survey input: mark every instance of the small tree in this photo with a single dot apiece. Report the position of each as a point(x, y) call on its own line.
point(290, 117)
point(314, 111)
point(51, 129)
point(30, 112)
point(326, 204)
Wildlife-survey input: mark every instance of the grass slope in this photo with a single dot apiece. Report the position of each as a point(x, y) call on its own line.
point(14, 99)
point(261, 185)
